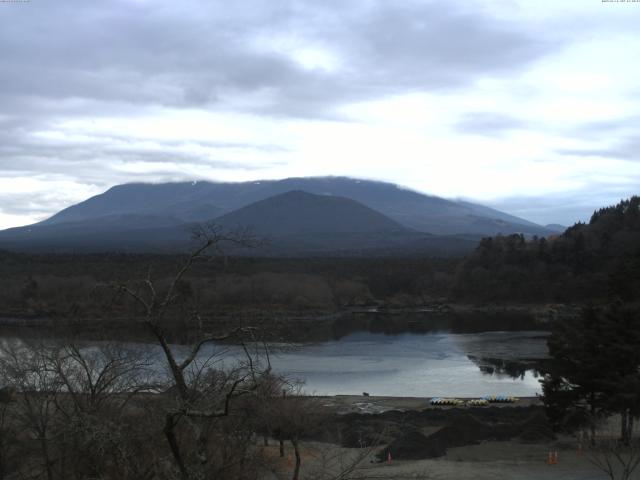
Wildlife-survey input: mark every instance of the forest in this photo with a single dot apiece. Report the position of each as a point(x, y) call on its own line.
point(589, 261)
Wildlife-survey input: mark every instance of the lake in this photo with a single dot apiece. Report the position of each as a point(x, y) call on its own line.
point(407, 364)
point(414, 365)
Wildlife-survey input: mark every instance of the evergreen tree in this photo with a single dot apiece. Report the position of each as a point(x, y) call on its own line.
point(594, 368)
point(623, 378)
point(572, 382)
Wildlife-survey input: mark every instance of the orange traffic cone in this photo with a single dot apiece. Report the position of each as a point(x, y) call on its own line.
point(551, 459)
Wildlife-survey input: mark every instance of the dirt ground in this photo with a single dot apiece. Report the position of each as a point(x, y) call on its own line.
point(488, 461)
point(497, 460)
point(513, 459)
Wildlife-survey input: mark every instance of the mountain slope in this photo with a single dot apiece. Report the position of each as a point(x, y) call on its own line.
point(556, 227)
point(298, 212)
point(298, 221)
point(323, 215)
point(292, 223)
point(194, 201)
point(137, 198)
point(129, 232)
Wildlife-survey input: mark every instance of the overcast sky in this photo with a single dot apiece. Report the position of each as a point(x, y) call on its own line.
point(529, 106)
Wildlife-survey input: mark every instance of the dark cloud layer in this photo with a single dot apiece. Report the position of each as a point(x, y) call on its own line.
point(81, 59)
point(197, 53)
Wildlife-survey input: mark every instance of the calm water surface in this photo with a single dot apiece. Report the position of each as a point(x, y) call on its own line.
point(413, 365)
point(434, 364)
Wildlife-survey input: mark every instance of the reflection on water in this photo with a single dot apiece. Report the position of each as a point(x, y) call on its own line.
point(506, 368)
point(408, 364)
point(435, 364)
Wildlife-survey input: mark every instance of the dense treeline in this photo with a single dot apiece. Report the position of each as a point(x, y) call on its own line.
point(592, 377)
point(588, 261)
point(594, 369)
point(594, 364)
point(66, 284)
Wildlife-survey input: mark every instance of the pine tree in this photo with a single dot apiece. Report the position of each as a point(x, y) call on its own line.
point(594, 369)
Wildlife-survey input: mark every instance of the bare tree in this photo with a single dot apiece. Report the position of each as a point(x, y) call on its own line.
point(96, 377)
point(617, 459)
point(24, 368)
point(104, 411)
point(8, 432)
point(70, 404)
point(202, 392)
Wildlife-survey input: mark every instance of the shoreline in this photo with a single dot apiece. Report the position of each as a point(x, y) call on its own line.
point(300, 326)
point(344, 404)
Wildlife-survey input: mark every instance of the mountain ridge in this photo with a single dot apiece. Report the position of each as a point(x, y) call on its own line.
point(297, 211)
point(422, 212)
point(316, 215)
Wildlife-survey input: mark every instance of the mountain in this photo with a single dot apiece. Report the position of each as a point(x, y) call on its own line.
point(184, 201)
point(300, 213)
point(127, 232)
point(289, 224)
point(202, 201)
point(325, 215)
point(556, 227)
point(302, 221)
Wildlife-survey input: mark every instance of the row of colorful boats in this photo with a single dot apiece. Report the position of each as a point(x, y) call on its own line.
point(475, 402)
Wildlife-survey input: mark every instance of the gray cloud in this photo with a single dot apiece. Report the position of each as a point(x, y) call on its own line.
point(29, 204)
point(97, 156)
point(102, 162)
point(626, 148)
point(78, 59)
point(488, 124)
point(152, 53)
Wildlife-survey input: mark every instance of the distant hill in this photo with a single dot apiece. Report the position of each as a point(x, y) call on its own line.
point(184, 200)
point(201, 201)
point(126, 233)
point(326, 214)
point(298, 212)
point(291, 224)
point(300, 221)
point(555, 227)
